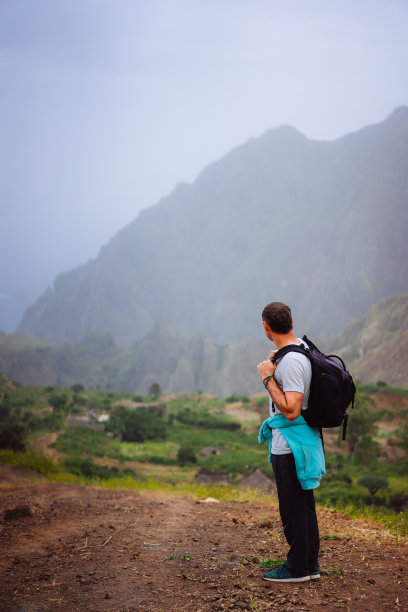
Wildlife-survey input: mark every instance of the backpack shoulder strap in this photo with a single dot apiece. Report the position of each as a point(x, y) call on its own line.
point(310, 344)
point(291, 348)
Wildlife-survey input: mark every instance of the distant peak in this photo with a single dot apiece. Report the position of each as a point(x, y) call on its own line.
point(401, 112)
point(285, 132)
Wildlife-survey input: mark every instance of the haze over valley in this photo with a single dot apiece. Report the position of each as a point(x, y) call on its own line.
point(187, 280)
point(319, 225)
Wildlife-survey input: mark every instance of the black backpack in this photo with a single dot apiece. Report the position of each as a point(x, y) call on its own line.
point(332, 389)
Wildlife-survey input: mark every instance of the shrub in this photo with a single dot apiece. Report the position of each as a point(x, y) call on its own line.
point(78, 388)
point(185, 454)
point(137, 425)
point(85, 467)
point(13, 436)
point(337, 476)
point(373, 482)
point(237, 398)
point(232, 398)
point(5, 409)
point(362, 421)
point(78, 439)
point(58, 401)
point(34, 461)
point(50, 422)
point(398, 501)
point(367, 450)
point(154, 390)
point(205, 420)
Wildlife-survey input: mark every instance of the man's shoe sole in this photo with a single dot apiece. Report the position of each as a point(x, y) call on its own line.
point(314, 576)
point(292, 579)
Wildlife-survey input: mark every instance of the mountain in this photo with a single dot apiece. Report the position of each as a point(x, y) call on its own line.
point(161, 355)
point(376, 348)
point(319, 225)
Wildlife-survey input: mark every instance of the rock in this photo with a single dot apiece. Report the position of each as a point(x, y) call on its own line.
point(18, 512)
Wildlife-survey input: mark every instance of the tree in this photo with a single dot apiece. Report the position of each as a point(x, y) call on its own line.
point(185, 454)
point(373, 482)
point(58, 401)
point(137, 425)
point(13, 435)
point(154, 390)
point(361, 421)
point(367, 450)
point(77, 388)
point(5, 407)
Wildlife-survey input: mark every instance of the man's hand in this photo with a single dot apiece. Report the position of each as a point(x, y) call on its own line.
point(266, 368)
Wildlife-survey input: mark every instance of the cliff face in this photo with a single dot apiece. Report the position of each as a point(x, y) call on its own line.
point(376, 348)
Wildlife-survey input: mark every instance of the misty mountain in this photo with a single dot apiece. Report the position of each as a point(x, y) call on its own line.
point(376, 347)
point(161, 355)
point(319, 225)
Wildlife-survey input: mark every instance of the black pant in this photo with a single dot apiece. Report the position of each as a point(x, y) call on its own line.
point(298, 514)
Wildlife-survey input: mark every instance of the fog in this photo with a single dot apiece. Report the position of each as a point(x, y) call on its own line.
point(107, 105)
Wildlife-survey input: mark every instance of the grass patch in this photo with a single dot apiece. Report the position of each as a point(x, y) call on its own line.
point(79, 440)
point(332, 572)
point(272, 563)
point(32, 461)
point(397, 524)
point(398, 391)
point(74, 464)
point(267, 563)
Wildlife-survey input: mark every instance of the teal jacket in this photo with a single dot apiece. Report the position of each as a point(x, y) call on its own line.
point(306, 446)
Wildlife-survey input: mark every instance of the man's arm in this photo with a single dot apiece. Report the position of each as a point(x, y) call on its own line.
point(290, 402)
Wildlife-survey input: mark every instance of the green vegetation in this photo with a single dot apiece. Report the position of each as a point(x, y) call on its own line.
point(332, 572)
point(32, 461)
point(154, 390)
point(185, 454)
point(87, 468)
point(373, 482)
point(13, 435)
point(138, 425)
point(80, 440)
point(373, 389)
point(268, 563)
point(152, 445)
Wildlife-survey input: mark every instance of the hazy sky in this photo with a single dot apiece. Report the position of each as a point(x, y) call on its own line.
point(107, 104)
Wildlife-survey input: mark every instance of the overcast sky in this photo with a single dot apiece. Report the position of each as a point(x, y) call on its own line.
point(107, 104)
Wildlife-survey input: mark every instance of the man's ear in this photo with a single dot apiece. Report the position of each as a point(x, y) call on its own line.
point(266, 327)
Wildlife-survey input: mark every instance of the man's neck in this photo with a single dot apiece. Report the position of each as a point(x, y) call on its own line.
point(281, 340)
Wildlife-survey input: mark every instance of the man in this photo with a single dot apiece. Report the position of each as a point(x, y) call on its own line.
point(288, 384)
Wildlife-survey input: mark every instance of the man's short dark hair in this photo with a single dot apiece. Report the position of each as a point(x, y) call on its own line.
point(278, 316)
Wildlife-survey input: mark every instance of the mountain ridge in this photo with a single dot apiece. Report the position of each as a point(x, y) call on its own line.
point(211, 254)
point(374, 348)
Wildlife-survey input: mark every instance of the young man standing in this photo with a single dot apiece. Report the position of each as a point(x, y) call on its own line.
point(291, 440)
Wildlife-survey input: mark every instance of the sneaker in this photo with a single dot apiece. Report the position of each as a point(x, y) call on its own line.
point(282, 574)
point(314, 575)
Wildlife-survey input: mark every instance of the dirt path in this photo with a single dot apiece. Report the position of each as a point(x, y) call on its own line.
point(90, 549)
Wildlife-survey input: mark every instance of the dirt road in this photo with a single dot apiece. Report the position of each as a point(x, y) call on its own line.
point(92, 549)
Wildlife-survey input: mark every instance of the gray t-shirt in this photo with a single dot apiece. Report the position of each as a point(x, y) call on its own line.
point(293, 373)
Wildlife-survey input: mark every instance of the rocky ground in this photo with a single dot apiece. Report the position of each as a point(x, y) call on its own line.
point(74, 548)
